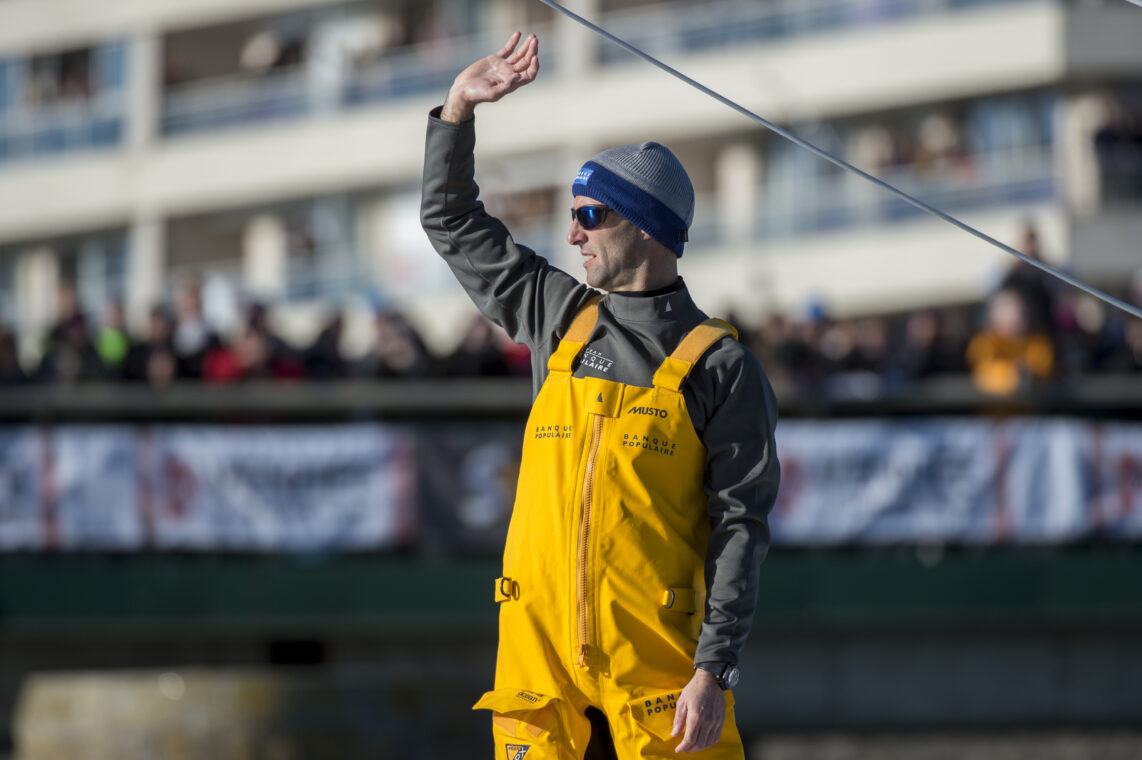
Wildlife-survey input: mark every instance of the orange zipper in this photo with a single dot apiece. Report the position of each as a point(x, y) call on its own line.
point(583, 585)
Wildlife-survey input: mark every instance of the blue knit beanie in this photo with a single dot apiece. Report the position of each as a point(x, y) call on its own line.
point(645, 183)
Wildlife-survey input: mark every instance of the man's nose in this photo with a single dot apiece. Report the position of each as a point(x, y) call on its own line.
point(576, 235)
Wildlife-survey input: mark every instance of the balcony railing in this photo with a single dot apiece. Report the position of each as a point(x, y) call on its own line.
point(62, 127)
point(807, 205)
point(317, 87)
point(429, 67)
point(693, 27)
point(239, 99)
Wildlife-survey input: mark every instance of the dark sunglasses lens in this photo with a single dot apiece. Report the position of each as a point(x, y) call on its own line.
point(589, 217)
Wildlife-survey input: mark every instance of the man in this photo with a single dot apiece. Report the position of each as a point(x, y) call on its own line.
point(631, 564)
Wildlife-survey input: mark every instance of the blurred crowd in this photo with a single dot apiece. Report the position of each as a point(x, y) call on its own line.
point(1030, 330)
point(178, 344)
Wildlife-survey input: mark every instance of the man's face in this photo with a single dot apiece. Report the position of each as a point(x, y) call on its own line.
point(612, 252)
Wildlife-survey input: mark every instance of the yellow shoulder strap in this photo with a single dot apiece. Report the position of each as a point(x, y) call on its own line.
point(576, 336)
point(697, 342)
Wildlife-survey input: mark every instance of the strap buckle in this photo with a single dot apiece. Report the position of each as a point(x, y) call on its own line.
point(507, 589)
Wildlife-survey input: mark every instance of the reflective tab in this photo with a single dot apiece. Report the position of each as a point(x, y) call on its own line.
point(678, 599)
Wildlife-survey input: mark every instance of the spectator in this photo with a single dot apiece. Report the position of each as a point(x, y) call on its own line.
point(153, 360)
point(67, 306)
point(1005, 356)
point(256, 353)
point(769, 344)
point(836, 346)
point(803, 353)
point(398, 351)
point(71, 356)
point(11, 373)
point(478, 354)
point(1118, 149)
point(1033, 285)
point(63, 357)
point(862, 371)
point(1126, 356)
point(112, 341)
point(192, 338)
point(517, 355)
point(1123, 342)
point(221, 365)
point(323, 359)
point(917, 356)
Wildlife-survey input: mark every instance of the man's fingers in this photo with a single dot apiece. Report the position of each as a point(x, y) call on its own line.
point(532, 57)
point(507, 49)
point(527, 66)
point(679, 720)
point(523, 57)
point(522, 51)
point(689, 741)
point(700, 734)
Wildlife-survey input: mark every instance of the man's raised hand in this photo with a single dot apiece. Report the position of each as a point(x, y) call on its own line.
point(489, 79)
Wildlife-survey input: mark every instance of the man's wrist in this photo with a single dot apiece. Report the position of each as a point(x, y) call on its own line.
point(457, 110)
point(726, 674)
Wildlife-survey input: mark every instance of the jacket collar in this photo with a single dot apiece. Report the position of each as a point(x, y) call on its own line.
point(672, 303)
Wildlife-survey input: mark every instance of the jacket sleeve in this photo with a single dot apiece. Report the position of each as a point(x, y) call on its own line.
point(509, 283)
point(742, 475)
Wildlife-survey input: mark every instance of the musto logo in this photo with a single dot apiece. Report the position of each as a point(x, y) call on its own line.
point(649, 411)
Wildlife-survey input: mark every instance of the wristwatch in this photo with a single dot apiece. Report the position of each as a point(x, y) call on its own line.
point(725, 673)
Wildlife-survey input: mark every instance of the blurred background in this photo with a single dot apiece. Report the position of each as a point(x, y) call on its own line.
point(258, 451)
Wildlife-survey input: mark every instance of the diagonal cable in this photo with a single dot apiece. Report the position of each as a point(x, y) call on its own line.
point(1053, 271)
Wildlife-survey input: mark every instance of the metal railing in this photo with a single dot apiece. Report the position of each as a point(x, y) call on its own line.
point(238, 99)
point(316, 87)
point(1113, 396)
point(63, 127)
point(429, 67)
point(693, 27)
point(802, 205)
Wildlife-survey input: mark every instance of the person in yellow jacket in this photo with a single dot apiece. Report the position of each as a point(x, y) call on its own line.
point(649, 467)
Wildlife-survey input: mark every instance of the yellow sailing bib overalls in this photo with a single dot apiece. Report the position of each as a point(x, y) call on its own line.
point(603, 589)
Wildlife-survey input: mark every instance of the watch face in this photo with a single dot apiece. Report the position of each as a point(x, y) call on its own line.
point(731, 676)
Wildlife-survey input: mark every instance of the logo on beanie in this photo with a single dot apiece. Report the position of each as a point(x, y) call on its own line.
point(583, 175)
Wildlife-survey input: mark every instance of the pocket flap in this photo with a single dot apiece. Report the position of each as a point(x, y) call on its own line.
point(513, 700)
point(519, 713)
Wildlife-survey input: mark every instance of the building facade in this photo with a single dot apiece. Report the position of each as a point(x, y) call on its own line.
point(271, 149)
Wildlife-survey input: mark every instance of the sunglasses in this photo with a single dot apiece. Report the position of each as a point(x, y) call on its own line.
point(590, 217)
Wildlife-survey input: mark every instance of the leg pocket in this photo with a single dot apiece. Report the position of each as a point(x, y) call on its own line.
point(652, 720)
point(525, 724)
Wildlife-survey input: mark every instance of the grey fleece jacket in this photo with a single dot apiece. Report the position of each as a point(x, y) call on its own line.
point(728, 396)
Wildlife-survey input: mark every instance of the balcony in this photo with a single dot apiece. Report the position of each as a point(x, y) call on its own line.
point(693, 28)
